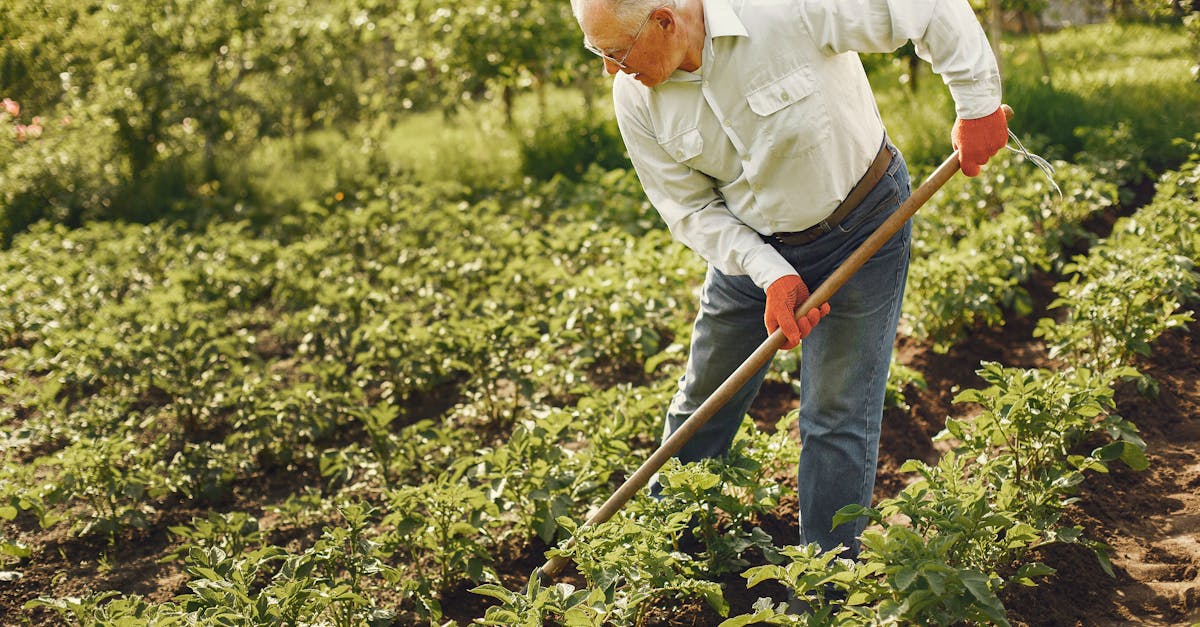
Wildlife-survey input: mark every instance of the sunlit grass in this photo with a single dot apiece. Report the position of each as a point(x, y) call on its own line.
point(1100, 76)
point(476, 145)
point(473, 147)
point(1104, 76)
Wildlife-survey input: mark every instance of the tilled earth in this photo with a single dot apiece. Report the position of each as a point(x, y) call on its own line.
point(1151, 519)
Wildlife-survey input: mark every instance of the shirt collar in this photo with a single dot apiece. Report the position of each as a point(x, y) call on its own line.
point(720, 20)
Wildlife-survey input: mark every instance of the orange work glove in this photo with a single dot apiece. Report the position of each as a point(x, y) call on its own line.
point(782, 298)
point(978, 139)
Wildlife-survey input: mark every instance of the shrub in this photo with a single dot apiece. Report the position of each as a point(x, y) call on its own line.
point(569, 144)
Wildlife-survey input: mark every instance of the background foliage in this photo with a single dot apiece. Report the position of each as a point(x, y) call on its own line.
point(390, 250)
point(184, 109)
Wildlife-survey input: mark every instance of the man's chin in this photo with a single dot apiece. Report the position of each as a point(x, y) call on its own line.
point(648, 81)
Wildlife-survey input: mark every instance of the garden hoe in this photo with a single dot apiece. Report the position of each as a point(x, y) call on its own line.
point(763, 354)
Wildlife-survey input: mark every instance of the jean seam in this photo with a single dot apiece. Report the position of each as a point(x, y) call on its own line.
point(869, 473)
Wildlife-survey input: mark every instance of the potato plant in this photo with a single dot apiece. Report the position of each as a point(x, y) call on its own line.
point(1134, 282)
point(935, 552)
point(454, 373)
point(957, 279)
point(633, 562)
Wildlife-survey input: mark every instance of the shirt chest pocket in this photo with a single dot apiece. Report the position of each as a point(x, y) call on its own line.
point(684, 146)
point(792, 114)
point(704, 151)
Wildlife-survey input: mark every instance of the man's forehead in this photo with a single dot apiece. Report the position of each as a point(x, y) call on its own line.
point(599, 22)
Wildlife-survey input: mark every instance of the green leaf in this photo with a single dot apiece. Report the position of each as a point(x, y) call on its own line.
point(1068, 534)
point(977, 584)
point(546, 528)
point(759, 574)
point(905, 578)
point(1134, 457)
point(474, 569)
point(715, 599)
point(853, 512)
point(1130, 454)
point(858, 597)
point(1105, 561)
point(672, 352)
point(969, 396)
point(936, 581)
point(207, 573)
point(769, 616)
point(15, 549)
point(1034, 569)
point(500, 593)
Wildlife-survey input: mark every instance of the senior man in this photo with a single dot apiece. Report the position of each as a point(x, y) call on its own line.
point(755, 134)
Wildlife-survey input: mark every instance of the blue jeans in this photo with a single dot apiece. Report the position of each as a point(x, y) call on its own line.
point(844, 362)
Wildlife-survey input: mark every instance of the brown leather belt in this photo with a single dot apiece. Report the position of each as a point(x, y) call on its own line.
point(856, 196)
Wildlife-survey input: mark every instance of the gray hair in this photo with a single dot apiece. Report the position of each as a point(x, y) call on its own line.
point(629, 13)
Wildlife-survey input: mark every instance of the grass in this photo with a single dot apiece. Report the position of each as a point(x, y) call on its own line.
point(1104, 79)
point(475, 147)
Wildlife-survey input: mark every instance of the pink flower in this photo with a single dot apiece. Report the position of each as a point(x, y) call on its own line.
point(35, 130)
point(13, 108)
point(20, 129)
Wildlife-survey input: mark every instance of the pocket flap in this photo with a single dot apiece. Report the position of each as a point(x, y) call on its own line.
point(686, 145)
point(783, 91)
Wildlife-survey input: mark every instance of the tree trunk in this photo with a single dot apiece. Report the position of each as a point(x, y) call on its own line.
point(1032, 25)
point(914, 66)
point(508, 95)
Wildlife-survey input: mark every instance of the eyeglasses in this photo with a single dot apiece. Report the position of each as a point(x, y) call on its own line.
point(607, 57)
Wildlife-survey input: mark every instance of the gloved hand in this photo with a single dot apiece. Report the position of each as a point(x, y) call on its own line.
point(978, 139)
point(782, 297)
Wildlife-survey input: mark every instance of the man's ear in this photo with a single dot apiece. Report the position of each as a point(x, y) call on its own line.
point(664, 16)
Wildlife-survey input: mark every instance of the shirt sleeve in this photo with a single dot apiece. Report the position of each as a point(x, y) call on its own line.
point(689, 203)
point(944, 32)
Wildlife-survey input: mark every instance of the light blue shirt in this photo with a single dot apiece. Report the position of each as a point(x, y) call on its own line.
point(779, 123)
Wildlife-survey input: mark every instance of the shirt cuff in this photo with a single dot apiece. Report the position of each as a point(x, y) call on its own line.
point(976, 99)
point(765, 265)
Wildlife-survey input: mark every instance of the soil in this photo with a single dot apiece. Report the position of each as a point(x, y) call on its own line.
point(1151, 519)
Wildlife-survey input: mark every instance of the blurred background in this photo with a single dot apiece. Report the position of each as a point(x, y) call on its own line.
point(196, 110)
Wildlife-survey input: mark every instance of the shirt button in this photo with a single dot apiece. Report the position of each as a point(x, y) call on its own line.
point(728, 122)
point(678, 154)
point(706, 83)
point(786, 96)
